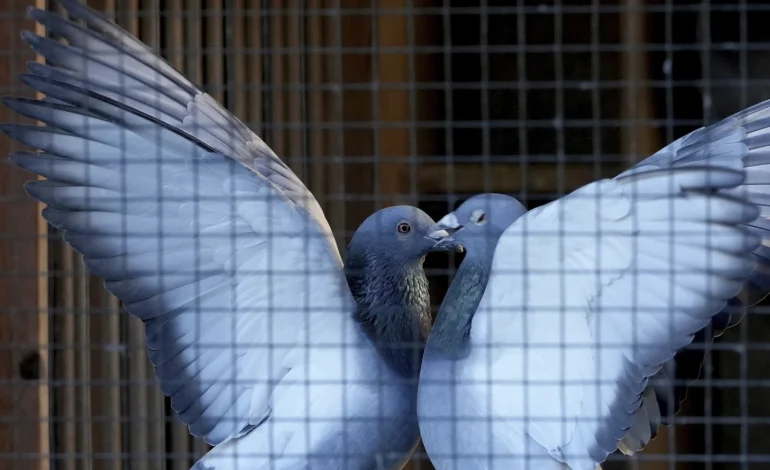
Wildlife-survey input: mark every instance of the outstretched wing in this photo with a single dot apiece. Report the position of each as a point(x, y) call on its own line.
point(167, 196)
point(668, 388)
point(589, 295)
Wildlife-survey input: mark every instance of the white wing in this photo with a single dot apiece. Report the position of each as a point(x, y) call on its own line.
point(668, 388)
point(590, 294)
point(229, 266)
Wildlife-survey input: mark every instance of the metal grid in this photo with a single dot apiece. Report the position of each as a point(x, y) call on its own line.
point(374, 103)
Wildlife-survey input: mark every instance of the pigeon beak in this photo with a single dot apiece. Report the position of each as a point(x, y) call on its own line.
point(441, 234)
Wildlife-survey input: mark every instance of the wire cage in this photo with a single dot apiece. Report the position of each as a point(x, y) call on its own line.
point(374, 103)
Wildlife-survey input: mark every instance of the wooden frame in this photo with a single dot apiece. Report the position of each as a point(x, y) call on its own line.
point(24, 399)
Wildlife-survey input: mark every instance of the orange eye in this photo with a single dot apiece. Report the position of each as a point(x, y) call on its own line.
point(404, 228)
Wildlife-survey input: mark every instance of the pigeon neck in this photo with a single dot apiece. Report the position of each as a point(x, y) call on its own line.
point(450, 335)
point(393, 307)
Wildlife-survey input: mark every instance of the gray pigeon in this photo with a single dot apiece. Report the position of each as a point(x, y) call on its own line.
point(269, 349)
point(477, 225)
point(567, 355)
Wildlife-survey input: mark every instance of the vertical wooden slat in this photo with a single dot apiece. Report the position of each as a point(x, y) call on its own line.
point(214, 60)
point(293, 63)
point(44, 425)
point(334, 105)
point(105, 369)
point(130, 18)
point(277, 81)
point(238, 93)
point(357, 146)
point(66, 392)
point(393, 68)
point(194, 42)
point(254, 72)
point(316, 108)
point(174, 27)
point(149, 22)
point(639, 139)
point(85, 415)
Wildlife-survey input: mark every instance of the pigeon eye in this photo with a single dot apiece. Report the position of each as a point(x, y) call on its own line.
point(479, 217)
point(404, 228)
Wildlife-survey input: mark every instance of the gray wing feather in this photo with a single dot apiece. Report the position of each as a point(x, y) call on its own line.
point(121, 67)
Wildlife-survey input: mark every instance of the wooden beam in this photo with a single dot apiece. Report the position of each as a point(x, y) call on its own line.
point(24, 394)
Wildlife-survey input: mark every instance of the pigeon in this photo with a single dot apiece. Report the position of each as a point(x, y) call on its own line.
point(587, 301)
point(271, 347)
point(477, 225)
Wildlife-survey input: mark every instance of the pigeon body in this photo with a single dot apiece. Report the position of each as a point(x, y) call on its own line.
point(268, 347)
point(590, 298)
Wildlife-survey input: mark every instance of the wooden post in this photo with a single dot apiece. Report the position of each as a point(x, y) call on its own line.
point(24, 394)
point(393, 143)
point(639, 140)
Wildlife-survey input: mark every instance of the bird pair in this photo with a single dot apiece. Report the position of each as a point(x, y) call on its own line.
point(554, 347)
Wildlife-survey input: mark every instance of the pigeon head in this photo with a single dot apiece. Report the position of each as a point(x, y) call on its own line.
point(479, 222)
point(403, 234)
point(383, 267)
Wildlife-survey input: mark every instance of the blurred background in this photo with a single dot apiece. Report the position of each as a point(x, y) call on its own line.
point(376, 102)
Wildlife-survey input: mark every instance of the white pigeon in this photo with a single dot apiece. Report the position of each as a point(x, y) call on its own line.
point(588, 297)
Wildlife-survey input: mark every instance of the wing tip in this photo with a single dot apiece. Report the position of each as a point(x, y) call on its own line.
point(31, 38)
point(9, 129)
point(35, 13)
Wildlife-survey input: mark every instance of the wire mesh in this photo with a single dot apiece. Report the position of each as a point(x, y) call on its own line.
point(372, 104)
